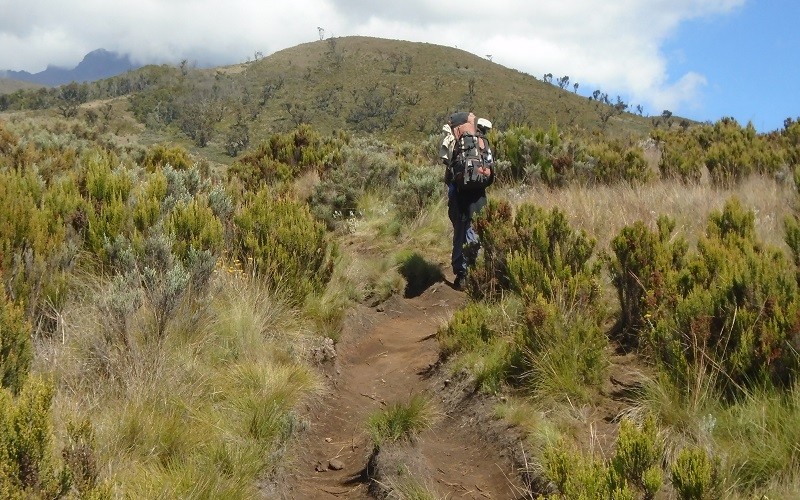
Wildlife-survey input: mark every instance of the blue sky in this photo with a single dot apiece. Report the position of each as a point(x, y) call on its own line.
point(700, 59)
point(750, 59)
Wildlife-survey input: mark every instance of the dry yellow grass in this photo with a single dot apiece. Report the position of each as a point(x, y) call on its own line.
point(602, 211)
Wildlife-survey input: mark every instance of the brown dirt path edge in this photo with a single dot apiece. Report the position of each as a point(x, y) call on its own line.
point(385, 355)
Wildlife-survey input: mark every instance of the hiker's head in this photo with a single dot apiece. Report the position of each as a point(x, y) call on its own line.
point(484, 125)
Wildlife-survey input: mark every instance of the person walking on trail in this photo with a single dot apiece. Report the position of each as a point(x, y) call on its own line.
point(464, 147)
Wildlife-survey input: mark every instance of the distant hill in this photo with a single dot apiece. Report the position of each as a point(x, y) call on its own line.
point(391, 86)
point(8, 85)
point(96, 65)
point(363, 85)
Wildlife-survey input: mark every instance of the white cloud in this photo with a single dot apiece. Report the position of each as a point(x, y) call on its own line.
point(612, 45)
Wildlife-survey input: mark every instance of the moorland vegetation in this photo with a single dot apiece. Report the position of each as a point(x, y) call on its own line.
point(177, 243)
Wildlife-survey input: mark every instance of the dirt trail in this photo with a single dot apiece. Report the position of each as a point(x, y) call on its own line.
point(386, 354)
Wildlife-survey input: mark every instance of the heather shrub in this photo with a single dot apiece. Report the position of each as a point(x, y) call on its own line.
point(335, 197)
point(739, 304)
point(729, 152)
point(160, 155)
point(525, 149)
point(284, 244)
point(640, 271)
point(15, 345)
point(148, 198)
point(638, 456)
point(694, 475)
point(615, 162)
point(681, 156)
point(28, 468)
point(193, 225)
point(8, 141)
point(633, 468)
point(733, 302)
point(31, 241)
point(576, 475)
point(283, 157)
point(365, 165)
point(534, 253)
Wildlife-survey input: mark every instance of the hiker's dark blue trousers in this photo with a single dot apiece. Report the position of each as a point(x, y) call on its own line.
point(461, 208)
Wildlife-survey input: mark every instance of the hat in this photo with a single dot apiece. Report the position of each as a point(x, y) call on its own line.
point(484, 123)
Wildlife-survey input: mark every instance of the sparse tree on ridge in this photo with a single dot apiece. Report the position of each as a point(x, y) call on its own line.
point(70, 97)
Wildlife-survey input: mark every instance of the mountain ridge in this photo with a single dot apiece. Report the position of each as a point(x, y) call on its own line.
point(96, 65)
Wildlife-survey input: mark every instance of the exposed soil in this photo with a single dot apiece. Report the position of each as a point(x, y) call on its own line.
point(385, 355)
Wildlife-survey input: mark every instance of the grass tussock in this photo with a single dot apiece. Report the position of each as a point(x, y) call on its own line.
point(401, 421)
point(603, 210)
point(204, 413)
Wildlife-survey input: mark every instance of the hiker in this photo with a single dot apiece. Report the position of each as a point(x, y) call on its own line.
point(465, 197)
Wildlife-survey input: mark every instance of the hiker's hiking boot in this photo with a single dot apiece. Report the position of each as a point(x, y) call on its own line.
point(460, 281)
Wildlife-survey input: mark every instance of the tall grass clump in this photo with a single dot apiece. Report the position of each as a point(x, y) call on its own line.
point(207, 411)
point(401, 421)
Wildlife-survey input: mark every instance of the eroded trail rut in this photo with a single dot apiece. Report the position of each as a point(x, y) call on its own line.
point(387, 354)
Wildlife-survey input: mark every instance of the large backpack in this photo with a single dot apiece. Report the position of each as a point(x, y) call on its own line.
point(471, 160)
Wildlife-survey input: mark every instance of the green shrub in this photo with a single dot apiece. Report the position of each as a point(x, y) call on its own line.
point(102, 183)
point(729, 152)
point(27, 465)
point(525, 149)
point(15, 345)
point(644, 261)
point(693, 474)
point(738, 304)
point(160, 155)
point(534, 253)
point(638, 456)
point(633, 467)
point(681, 156)
point(284, 244)
point(31, 241)
point(366, 165)
point(734, 302)
point(335, 197)
point(284, 156)
point(584, 477)
point(194, 226)
point(416, 190)
point(148, 200)
point(615, 162)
